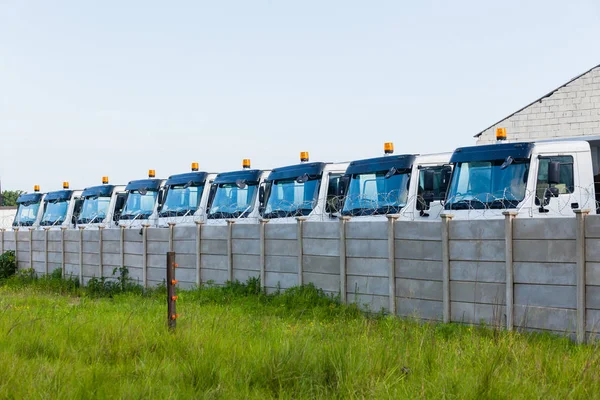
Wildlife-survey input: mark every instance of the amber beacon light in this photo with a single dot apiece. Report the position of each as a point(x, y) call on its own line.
point(388, 148)
point(151, 173)
point(304, 156)
point(500, 133)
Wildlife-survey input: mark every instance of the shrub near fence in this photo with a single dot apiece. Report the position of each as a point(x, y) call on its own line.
point(535, 274)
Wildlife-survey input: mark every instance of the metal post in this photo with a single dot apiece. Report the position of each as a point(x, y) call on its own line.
point(230, 223)
point(199, 253)
point(299, 233)
point(81, 228)
point(392, 263)
point(509, 267)
point(47, 268)
point(581, 271)
point(145, 255)
point(2, 240)
point(263, 222)
point(446, 265)
point(171, 295)
point(63, 266)
point(100, 250)
point(343, 281)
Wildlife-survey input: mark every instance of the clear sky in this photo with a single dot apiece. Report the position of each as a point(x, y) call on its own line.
point(117, 87)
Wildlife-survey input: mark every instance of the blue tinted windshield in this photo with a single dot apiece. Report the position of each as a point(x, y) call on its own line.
point(485, 184)
point(140, 206)
point(182, 200)
point(55, 212)
point(373, 193)
point(288, 198)
point(231, 201)
point(26, 214)
point(94, 209)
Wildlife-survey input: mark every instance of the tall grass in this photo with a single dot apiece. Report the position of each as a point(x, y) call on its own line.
point(237, 342)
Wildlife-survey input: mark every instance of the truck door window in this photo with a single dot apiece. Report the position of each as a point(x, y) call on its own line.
point(440, 183)
point(332, 193)
point(566, 184)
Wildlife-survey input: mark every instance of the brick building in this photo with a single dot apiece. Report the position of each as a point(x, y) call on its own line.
point(571, 110)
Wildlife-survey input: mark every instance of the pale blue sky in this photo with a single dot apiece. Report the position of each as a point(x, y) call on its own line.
point(118, 87)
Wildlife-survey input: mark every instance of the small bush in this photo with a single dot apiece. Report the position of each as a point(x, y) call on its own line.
point(8, 264)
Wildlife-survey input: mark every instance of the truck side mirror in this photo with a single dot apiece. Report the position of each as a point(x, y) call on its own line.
point(160, 198)
point(76, 210)
point(428, 180)
point(261, 194)
point(553, 173)
point(343, 185)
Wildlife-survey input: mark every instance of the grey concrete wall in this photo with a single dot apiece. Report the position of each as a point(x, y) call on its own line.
point(469, 285)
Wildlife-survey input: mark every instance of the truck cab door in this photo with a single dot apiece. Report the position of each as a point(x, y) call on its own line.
point(556, 193)
point(431, 191)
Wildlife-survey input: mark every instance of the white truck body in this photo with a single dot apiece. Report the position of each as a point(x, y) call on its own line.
point(235, 196)
point(61, 209)
point(306, 190)
point(544, 179)
point(29, 211)
point(410, 187)
point(141, 204)
point(185, 198)
point(102, 206)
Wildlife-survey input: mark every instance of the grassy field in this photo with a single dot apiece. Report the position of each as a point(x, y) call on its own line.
point(59, 341)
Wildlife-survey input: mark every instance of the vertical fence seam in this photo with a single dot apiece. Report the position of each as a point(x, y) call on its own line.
point(198, 253)
point(343, 281)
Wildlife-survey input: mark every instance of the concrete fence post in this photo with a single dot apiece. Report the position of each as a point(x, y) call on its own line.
point(16, 246)
point(63, 266)
point(262, 260)
point(230, 223)
point(2, 240)
point(122, 246)
point(299, 249)
point(81, 228)
point(343, 280)
point(509, 216)
point(199, 253)
point(46, 267)
point(392, 263)
point(171, 235)
point(446, 218)
point(30, 247)
point(581, 272)
point(100, 251)
point(145, 254)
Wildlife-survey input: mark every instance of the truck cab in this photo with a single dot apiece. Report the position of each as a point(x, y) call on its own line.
point(29, 210)
point(142, 200)
point(61, 208)
point(549, 178)
point(102, 205)
point(410, 186)
point(234, 195)
point(308, 189)
point(186, 197)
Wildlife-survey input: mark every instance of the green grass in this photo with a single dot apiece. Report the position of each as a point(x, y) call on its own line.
point(58, 340)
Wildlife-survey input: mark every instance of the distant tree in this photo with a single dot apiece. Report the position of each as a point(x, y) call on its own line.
point(9, 197)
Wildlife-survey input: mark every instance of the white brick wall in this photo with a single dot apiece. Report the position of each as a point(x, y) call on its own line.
point(573, 110)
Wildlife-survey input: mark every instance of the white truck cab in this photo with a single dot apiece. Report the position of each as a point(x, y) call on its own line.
point(142, 200)
point(549, 178)
point(410, 186)
point(102, 205)
point(306, 190)
point(29, 210)
point(186, 197)
point(61, 208)
point(234, 195)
